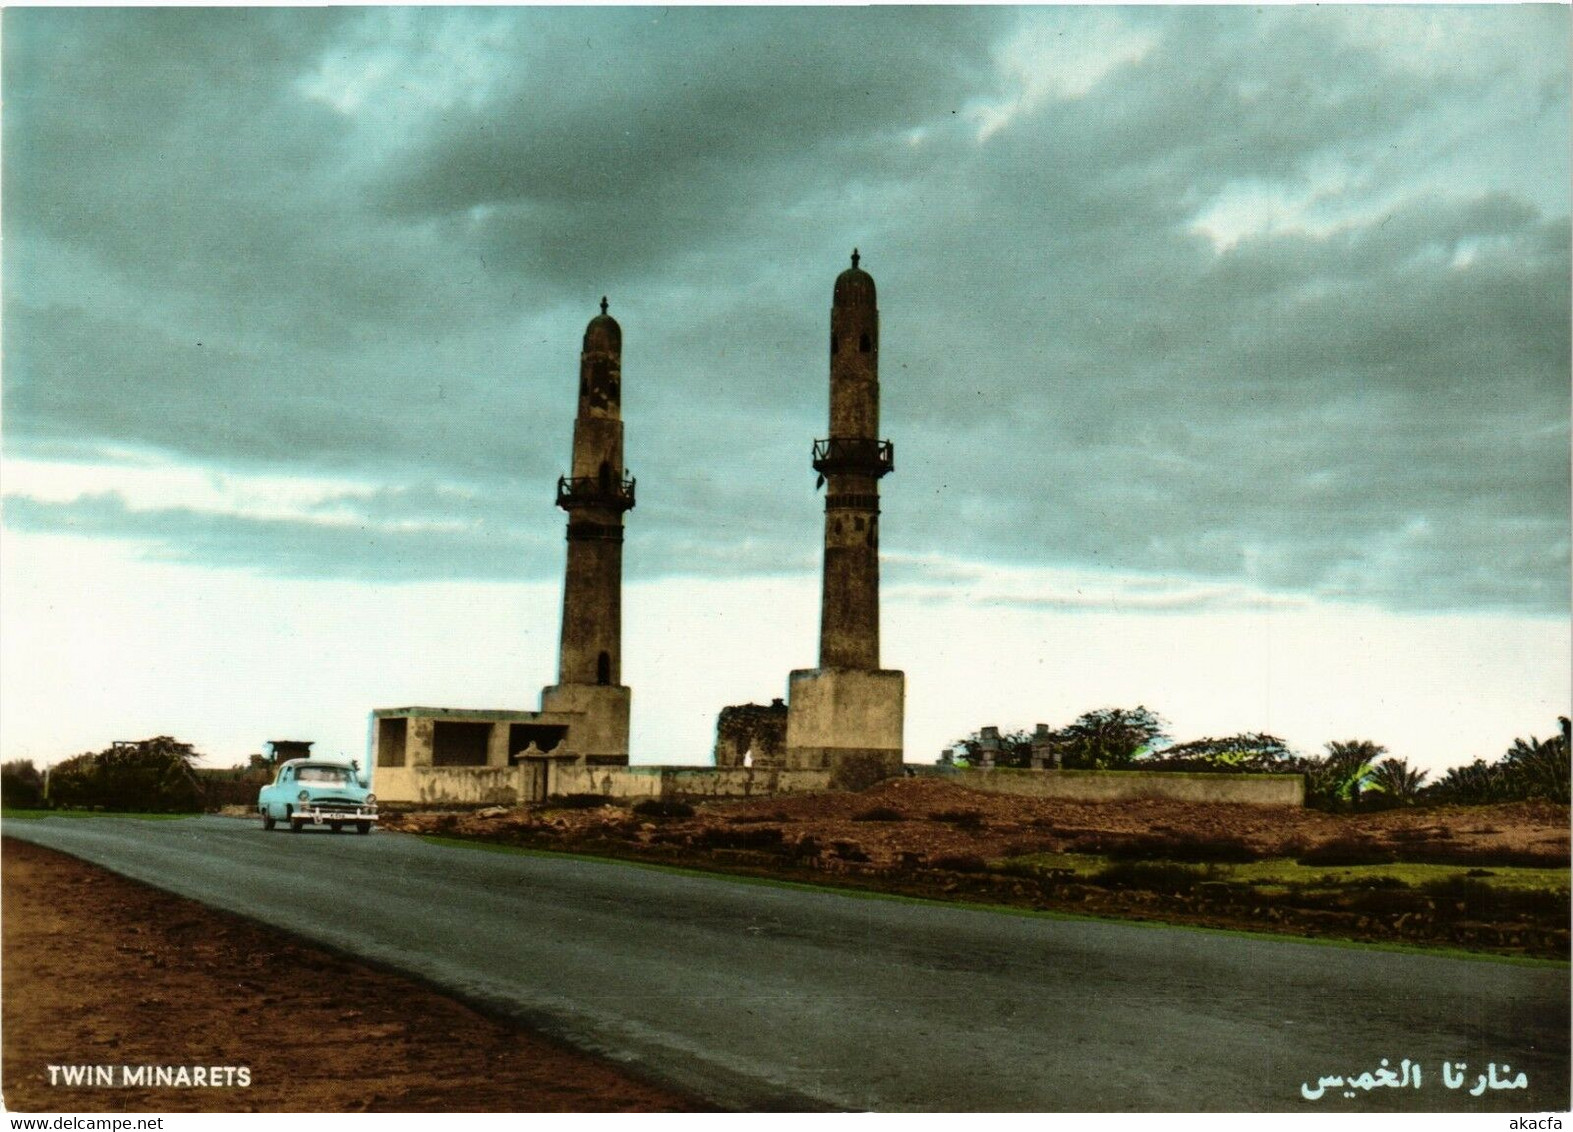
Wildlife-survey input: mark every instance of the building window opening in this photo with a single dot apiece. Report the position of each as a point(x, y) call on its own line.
point(865, 344)
point(392, 734)
point(603, 668)
point(606, 476)
point(835, 345)
point(455, 743)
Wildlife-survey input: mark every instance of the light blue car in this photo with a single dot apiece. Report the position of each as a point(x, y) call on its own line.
point(318, 792)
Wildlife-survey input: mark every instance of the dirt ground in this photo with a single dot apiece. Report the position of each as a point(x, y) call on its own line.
point(1004, 825)
point(98, 969)
point(931, 838)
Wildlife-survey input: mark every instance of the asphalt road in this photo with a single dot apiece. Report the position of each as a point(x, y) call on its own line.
point(762, 996)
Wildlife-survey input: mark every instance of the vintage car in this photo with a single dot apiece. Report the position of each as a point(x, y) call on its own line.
point(318, 792)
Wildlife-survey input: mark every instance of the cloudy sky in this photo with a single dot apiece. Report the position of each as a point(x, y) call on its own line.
point(1225, 353)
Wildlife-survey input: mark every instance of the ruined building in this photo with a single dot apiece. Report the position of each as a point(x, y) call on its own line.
point(750, 735)
point(846, 715)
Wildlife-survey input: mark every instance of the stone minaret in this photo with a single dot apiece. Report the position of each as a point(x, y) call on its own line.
point(852, 460)
point(846, 715)
point(595, 494)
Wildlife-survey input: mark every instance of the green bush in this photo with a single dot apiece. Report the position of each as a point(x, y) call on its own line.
point(21, 785)
point(149, 776)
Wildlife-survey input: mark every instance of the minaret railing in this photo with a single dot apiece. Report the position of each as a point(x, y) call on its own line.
point(592, 491)
point(854, 456)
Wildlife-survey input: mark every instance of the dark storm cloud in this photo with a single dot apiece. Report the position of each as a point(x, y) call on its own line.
point(293, 549)
point(363, 244)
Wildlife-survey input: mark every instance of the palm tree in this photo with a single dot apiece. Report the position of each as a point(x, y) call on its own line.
point(1345, 769)
point(1397, 779)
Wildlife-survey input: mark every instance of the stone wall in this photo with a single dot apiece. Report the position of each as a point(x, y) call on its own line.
point(1126, 785)
point(638, 782)
point(462, 785)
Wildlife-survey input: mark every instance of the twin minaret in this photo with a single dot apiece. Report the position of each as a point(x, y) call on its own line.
point(851, 462)
point(595, 494)
point(844, 716)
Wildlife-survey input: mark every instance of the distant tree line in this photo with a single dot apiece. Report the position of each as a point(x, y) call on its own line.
point(1348, 774)
point(157, 775)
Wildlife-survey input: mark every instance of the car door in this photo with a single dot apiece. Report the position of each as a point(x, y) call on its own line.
point(277, 807)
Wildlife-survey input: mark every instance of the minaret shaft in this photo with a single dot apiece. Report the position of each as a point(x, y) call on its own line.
point(595, 494)
point(852, 460)
point(846, 716)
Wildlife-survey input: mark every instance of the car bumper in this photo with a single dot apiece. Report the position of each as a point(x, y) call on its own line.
point(322, 817)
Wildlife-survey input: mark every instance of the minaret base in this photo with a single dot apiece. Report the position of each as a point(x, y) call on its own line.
point(603, 734)
point(847, 721)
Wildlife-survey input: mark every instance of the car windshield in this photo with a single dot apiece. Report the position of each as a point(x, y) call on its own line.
point(329, 775)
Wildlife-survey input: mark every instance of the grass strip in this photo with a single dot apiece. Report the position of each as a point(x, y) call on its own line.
point(35, 815)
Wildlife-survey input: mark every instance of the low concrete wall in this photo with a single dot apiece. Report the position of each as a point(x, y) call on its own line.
point(460, 785)
point(637, 782)
point(1125, 785)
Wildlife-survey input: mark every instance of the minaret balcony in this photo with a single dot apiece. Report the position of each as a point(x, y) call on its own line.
point(854, 456)
point(594, 491)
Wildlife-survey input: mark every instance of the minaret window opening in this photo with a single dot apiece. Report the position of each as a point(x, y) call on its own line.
point(834, 344)
point(864, 344)
point(603, 668)
point(605, 477)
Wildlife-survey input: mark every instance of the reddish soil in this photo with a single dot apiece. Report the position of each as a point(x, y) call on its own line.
point(1006, 825)
point(932, 838)
point(103, 970)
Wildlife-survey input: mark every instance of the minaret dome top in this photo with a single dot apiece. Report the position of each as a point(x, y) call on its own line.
point(603, 333)
point(854, 285)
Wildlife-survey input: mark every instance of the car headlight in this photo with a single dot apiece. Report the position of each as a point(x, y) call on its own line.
point(304, 795)
point(371, 799)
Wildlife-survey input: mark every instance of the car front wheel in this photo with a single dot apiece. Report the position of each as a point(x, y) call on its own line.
point(268, 821)
point(295, 824)
point(363, 827)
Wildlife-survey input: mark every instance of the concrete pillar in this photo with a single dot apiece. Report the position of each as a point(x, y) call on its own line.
point(989, 747)
point(497, 744)
point(1043, 754)
point(418, 741)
